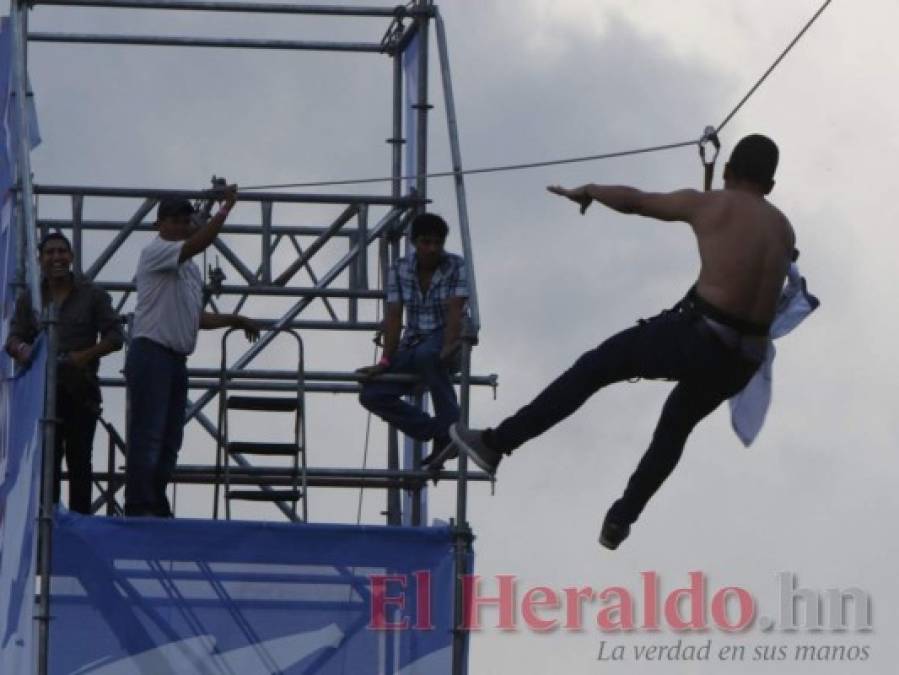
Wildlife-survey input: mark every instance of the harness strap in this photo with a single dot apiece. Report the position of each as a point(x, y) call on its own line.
point(695, 301)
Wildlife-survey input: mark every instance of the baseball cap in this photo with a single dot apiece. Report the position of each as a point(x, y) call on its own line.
point(172, 207)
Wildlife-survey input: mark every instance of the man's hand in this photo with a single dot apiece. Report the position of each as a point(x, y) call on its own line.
point(368, 372)
point(229, 197)
point(578, 195)
point(80, 359)
point(21, 353)
point(250, 327)
point(450, 353)
point(203, 236)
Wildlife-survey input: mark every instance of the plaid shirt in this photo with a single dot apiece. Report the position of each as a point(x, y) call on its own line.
point(426, 313)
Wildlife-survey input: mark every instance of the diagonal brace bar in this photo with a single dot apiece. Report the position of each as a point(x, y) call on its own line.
point(313, 277)
point(234, 260)
point(386, 222)
point(345, 217)
point(119, 239)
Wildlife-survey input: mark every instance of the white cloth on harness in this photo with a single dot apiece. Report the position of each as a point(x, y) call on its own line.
point(749, 407)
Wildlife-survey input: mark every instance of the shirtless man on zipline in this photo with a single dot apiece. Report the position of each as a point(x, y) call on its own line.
point(711, 342)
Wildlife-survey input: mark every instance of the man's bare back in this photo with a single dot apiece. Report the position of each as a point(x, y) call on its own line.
point(745, 248)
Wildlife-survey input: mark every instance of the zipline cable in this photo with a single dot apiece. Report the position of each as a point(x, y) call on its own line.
point(489, 169)
point(569, 160)
point(773, 65)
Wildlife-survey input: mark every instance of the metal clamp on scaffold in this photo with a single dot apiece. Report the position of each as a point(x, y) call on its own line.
point(214, 277)
point(709, 137)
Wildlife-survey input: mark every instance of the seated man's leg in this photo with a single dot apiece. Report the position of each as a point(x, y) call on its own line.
point(385, 400)
point(148, 378)
point(436, 377)
point(653, 349)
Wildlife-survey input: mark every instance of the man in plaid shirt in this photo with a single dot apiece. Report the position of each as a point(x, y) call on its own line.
point(431, 285)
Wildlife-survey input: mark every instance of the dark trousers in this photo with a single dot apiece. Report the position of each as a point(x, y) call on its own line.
point(156, 379)
point(75, 442)
point(675, 345)
point(385, 398)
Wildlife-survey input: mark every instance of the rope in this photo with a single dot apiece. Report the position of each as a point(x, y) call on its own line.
point(362, 487)
point(364, 461)
point(367, 424)
point(468, 172)
point(566, 160)
point(773, 65)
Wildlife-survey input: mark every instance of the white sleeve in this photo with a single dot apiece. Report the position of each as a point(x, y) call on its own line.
point(160, 256)
point(795, 304)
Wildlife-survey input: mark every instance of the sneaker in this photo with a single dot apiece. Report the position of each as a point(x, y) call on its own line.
point(612, 534)
point(442, 451)
point(471, 441)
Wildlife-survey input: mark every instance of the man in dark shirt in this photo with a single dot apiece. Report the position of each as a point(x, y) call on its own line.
point(85, 312)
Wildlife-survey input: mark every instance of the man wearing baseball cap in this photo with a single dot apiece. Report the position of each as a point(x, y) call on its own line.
point(168, 316)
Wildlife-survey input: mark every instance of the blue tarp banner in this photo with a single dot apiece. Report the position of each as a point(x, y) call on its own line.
point(9, 113)
point(184, 597)
point(21, 404)
point(21, 407)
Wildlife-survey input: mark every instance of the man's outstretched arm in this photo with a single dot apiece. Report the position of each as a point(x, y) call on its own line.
point(200, 240)
point(210, 321)
point(670, 206)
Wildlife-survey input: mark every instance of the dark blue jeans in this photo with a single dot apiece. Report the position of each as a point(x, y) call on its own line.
point(75, 440)
point(156, 378)
point(384, 399)
point(675, 345)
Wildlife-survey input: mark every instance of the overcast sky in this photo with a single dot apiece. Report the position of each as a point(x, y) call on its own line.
point(534, 80)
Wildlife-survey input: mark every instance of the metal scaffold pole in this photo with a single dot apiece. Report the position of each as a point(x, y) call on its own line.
point(422, 107)
point(241, 7)
point(458, 177)
point(417, 502)
point(19, 19)
point(27, 264)
point(45, 521)
point(462, 536)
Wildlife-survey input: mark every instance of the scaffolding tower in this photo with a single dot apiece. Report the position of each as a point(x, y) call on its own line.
point(369, 227)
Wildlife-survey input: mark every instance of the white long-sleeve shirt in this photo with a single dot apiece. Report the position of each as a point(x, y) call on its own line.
point(749, 408)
